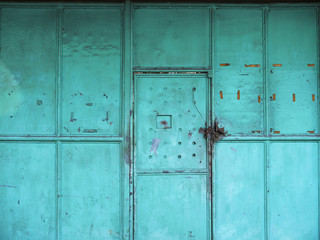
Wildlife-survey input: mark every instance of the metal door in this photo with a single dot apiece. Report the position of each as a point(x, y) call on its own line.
point(171, 164)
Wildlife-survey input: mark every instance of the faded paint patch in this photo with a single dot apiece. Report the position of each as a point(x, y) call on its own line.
point(155, 145)
point(10, 93)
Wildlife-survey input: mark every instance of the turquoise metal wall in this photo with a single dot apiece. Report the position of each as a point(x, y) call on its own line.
point(104, 109)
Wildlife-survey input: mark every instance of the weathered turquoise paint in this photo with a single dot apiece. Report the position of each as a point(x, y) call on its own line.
point(28, 53)
point(295, 50)
point(96, 144)
point(171, 38)
point(91, 71)
point(239, 190)
point(172, 171)
point(239, 43)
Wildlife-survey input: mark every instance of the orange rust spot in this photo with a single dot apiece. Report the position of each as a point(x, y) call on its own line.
point(277, 65)
point(273, 97)
point(313, 97)
point(310, 132)
point(259, 98)
point(221, 95)
point(293, 97)
point(311, 65)
point(276, 132)
point(238, 95)
point(224, 64)
point(256, 131)
point(252, 65)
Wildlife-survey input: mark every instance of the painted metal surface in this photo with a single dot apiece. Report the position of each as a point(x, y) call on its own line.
point(172, 173)
point(157, 121)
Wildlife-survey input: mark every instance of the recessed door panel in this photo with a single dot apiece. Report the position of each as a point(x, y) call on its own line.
point(171, 207)
point(172, 184)
point(169, 113)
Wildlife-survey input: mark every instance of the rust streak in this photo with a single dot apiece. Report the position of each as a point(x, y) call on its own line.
point(238, 95)
point(273, 97)
point(259, 98)
point(221, 95)
point(312, 132)
point(277, 65)
point(311, 65)
point(313, 97)
point(256, 131)
point(224, 64)
point(276, 132)
point(293, 97)
point(252, 65)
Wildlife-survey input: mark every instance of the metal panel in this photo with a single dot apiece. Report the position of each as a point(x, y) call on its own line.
point(239, 191)
point(28, 50)
point(292, 71)
point(27, 190)
point(171, 38)
point(293, 177)
point(170, 110)
point(90, 191)
point(171, 207)
point(91, 75)
point(239, 77)
point(172, 180)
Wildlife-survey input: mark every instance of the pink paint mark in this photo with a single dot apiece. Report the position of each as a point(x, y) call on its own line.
point(155, 145)
point(233, 149)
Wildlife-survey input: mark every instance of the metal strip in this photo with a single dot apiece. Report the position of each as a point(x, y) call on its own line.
point(58, 190)
point(65, 139)
point(127, 181)
point(213, 159)
point(265, 67)
point(266, 164)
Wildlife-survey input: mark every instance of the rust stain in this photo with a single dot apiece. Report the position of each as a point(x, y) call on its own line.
point(256, 131)
point(224, 64)
point(164, 123)
point(72, 119)
point(259, 98)
point(252, 65)
point(293, 97)
point(90, 130)
point(238, 95)
point(221, 95)
point(276, 132)
point(312, 132)
point(311, 65)
point(313, 97)
point(273, 97)
point(277, 65)
point(214, 133)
